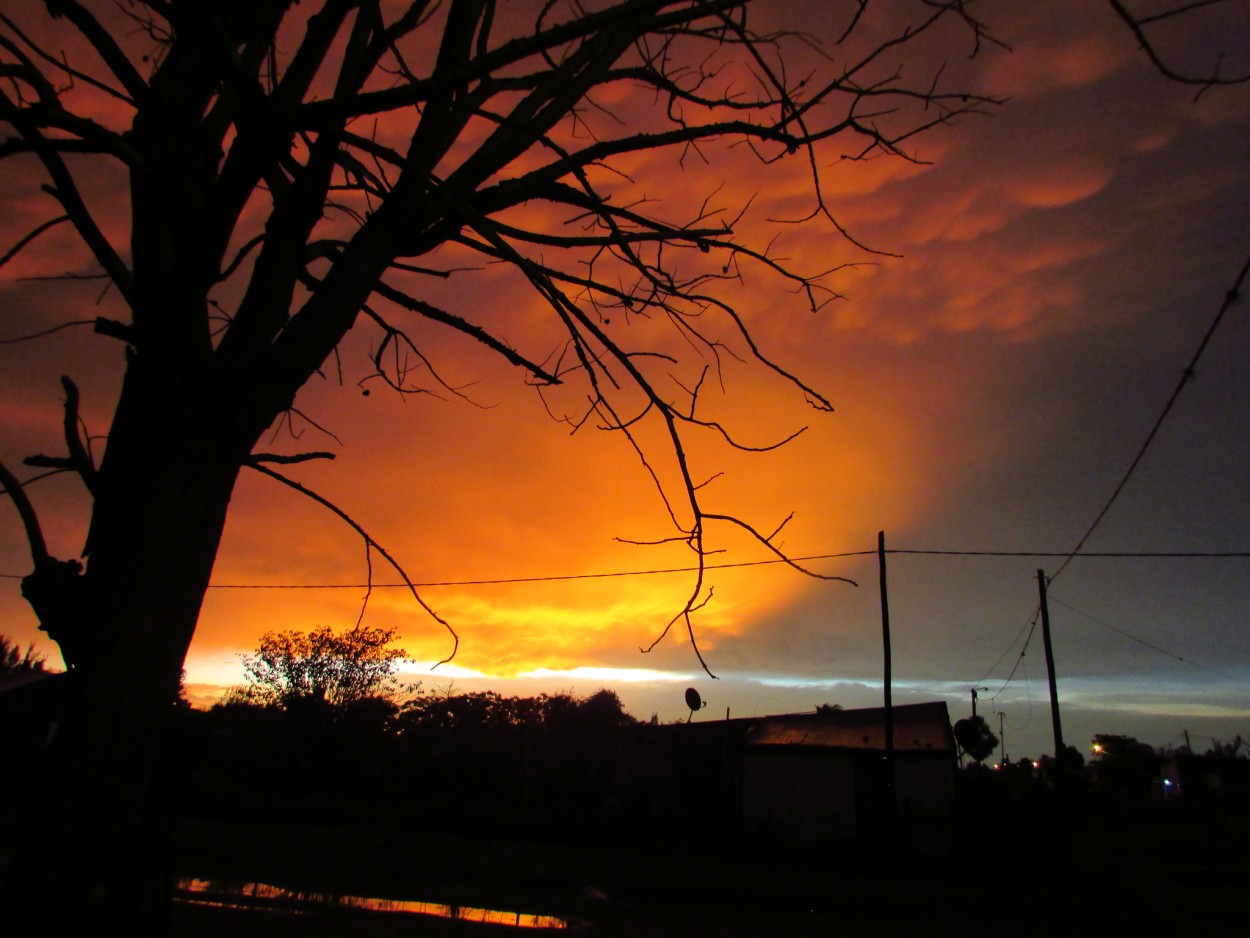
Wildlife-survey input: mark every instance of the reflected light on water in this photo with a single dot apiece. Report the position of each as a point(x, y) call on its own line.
point(245, 896)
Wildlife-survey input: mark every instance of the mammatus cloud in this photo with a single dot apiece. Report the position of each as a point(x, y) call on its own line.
point(988, 385)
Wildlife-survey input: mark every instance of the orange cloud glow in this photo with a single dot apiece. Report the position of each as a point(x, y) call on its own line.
point(1041, 272)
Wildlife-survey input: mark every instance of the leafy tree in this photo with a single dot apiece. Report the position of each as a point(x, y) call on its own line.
point(492, 760)
point(604, 708)
point(1124, 765)
point(975, 737)
point(447, 713)
point(14, 660)
point(322, 666)
point(1226, 750)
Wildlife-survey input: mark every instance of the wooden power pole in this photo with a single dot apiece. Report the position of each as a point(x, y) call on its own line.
point(891, 804)
point(1063, 830)
point(1050, 669)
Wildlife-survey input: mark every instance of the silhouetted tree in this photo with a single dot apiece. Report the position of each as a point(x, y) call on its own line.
point(490, 760)
point(477, 761)
point(295, 170)
point(1125, 766)
point(1228, 750)
point(1152, 23)
point(1073, 761)
point(604, 709)
point(975, 737)
point(14, 660)
point(337, 669)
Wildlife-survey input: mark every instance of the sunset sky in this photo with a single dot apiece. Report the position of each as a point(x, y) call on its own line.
point(1058, 265)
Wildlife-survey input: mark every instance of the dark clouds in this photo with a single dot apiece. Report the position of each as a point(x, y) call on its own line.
point(1060, 262)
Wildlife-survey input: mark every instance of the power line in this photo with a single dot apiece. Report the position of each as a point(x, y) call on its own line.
point(1030, 625)
point(1230, 297)
point(1019, 658)
point(999, 660)
point(1087, 554)
point(551, 578)
point(1146, 644)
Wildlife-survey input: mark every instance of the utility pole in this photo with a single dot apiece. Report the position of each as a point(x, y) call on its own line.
point(891, 805)
point(974, 699)
point(1002, 738)
point(1063, 832)
point(1050, 667)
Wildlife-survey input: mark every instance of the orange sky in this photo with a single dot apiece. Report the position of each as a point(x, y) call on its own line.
point(1059, 263)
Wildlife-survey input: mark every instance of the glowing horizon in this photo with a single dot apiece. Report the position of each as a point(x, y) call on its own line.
point(1049, 272)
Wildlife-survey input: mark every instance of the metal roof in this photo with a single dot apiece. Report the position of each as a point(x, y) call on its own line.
point(917, 727)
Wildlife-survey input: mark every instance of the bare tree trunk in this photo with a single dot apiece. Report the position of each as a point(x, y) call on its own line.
point(94, 861)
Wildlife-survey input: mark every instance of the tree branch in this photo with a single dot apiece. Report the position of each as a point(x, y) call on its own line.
point(287, 460)
point(1137, 25)
point(31, 236)
point(102, 40)
point(30, 519)
point(368, 539)
point(435, 314)
point(79, 458)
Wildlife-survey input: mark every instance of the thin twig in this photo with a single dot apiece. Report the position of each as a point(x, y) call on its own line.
point(368, 539)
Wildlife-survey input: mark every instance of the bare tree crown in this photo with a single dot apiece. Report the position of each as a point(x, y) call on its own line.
point(297, 171)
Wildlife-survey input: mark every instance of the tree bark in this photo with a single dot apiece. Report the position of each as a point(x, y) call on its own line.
point(95, 860)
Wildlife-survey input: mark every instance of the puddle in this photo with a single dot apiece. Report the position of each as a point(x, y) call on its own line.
point(222, 895)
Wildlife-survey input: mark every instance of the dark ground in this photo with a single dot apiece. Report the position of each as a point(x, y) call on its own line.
point(1149, 872)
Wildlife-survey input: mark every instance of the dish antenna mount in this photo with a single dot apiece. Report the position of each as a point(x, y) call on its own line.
point(694, 702)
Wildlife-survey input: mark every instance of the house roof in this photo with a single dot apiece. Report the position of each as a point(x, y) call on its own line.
point(917, 728)
point(15, 680)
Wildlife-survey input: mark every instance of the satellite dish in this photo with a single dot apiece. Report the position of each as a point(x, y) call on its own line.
point(693, 701)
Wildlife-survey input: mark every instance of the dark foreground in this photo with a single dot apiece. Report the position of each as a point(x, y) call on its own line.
point(1146, 873)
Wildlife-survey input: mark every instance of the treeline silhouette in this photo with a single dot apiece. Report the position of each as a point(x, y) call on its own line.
point(479, 762)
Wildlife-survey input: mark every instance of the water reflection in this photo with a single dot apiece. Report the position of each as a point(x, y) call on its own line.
point(222, 895)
